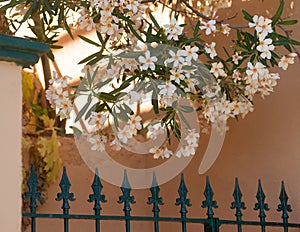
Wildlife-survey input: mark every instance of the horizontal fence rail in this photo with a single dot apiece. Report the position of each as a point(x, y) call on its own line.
point(210, 223)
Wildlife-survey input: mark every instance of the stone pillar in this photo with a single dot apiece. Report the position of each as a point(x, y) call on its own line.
point(14, 54)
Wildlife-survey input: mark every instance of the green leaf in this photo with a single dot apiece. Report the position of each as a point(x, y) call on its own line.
point(92, 109)
point(100, 37)
point(247, 16)
point(89, 41)
point(100, 84)
point(280, 42)
point(124, 85)
point(90, 57)
point(239, 35)
point(184, 119)
point(84, 109)
point(48, 6)
point(76, 131)
point(288, 22)
point(107, 97)
point(27, 14)
point(135, 32)
point(294, 42)
point(56, 46)
point(128, 110)
point(154, 102)
point(197, 28)
point(288, 47)
point(186, 109)
point(130, 54)
point(278, 13)
point(154, 21)
point(11, 4)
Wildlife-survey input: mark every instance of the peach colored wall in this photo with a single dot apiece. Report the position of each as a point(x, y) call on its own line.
point(10, 145)
point(266, 145)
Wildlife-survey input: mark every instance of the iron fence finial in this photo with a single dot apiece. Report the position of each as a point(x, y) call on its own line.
point(209, 203)
point(284, 206)
point(238, 204)
point(33, 193)
point(183, 200)
point(97, 197)
point(155, 199)
point(261, 205)
point(126, 198)
point(65, 194)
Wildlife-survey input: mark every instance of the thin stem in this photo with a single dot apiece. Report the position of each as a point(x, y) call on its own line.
point(288, 34)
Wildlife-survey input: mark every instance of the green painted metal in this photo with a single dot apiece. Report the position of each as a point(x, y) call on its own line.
point(261, 206)
point(65, 196)
point(210, 223)
point(183, 201)
point(127, 199)
point(22, 51)
point(97, 198)
point(156, 200)
point(284, 207)
point(33, 195)
point(237, 204)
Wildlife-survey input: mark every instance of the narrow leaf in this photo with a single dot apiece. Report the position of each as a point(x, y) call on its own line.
point(247, 16)
point(89, 41)
point(288, 22)
point(278, 13)
point(84, 108)
point(154, 21)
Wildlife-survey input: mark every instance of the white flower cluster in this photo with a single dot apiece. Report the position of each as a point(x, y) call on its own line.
point(175, 71)
point(257, 78)
point(192, 144)
point(129, 130)
point(176, 60)
point(160, 152)
point(97, 141)
point(173, 30)
point(185, 151)
point(58, 95)
point(109, 24)
point(155, 130)
point(210, 7)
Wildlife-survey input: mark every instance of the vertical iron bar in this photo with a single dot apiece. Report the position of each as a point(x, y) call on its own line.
point(127, 200)
point(33, 195)
point(156, 200)
point(209, 203)
point(97, 197)
point(261, 206)
point(184, 202)
point(66, 196)
point(237, 204)
point(284, 207)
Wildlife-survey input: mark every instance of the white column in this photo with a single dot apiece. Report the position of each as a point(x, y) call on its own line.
point(10, 146)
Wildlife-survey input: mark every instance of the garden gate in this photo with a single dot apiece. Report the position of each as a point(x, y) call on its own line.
point(210, 223)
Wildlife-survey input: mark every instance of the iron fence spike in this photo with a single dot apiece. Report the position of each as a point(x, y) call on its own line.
point(284, 206)
point(97, 197)
point(261, 205)
point(209, 203)
point(65, 194)
point(33, 194)
point(155, 199)
point(237, 204)
point(125, 183)
point(154, 180)
point(183, 201)
point(126, 190)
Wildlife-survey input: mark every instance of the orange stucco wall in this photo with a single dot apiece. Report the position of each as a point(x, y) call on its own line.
point(265, 145)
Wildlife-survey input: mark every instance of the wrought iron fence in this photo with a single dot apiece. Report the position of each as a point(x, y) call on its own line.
point(210, 223)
